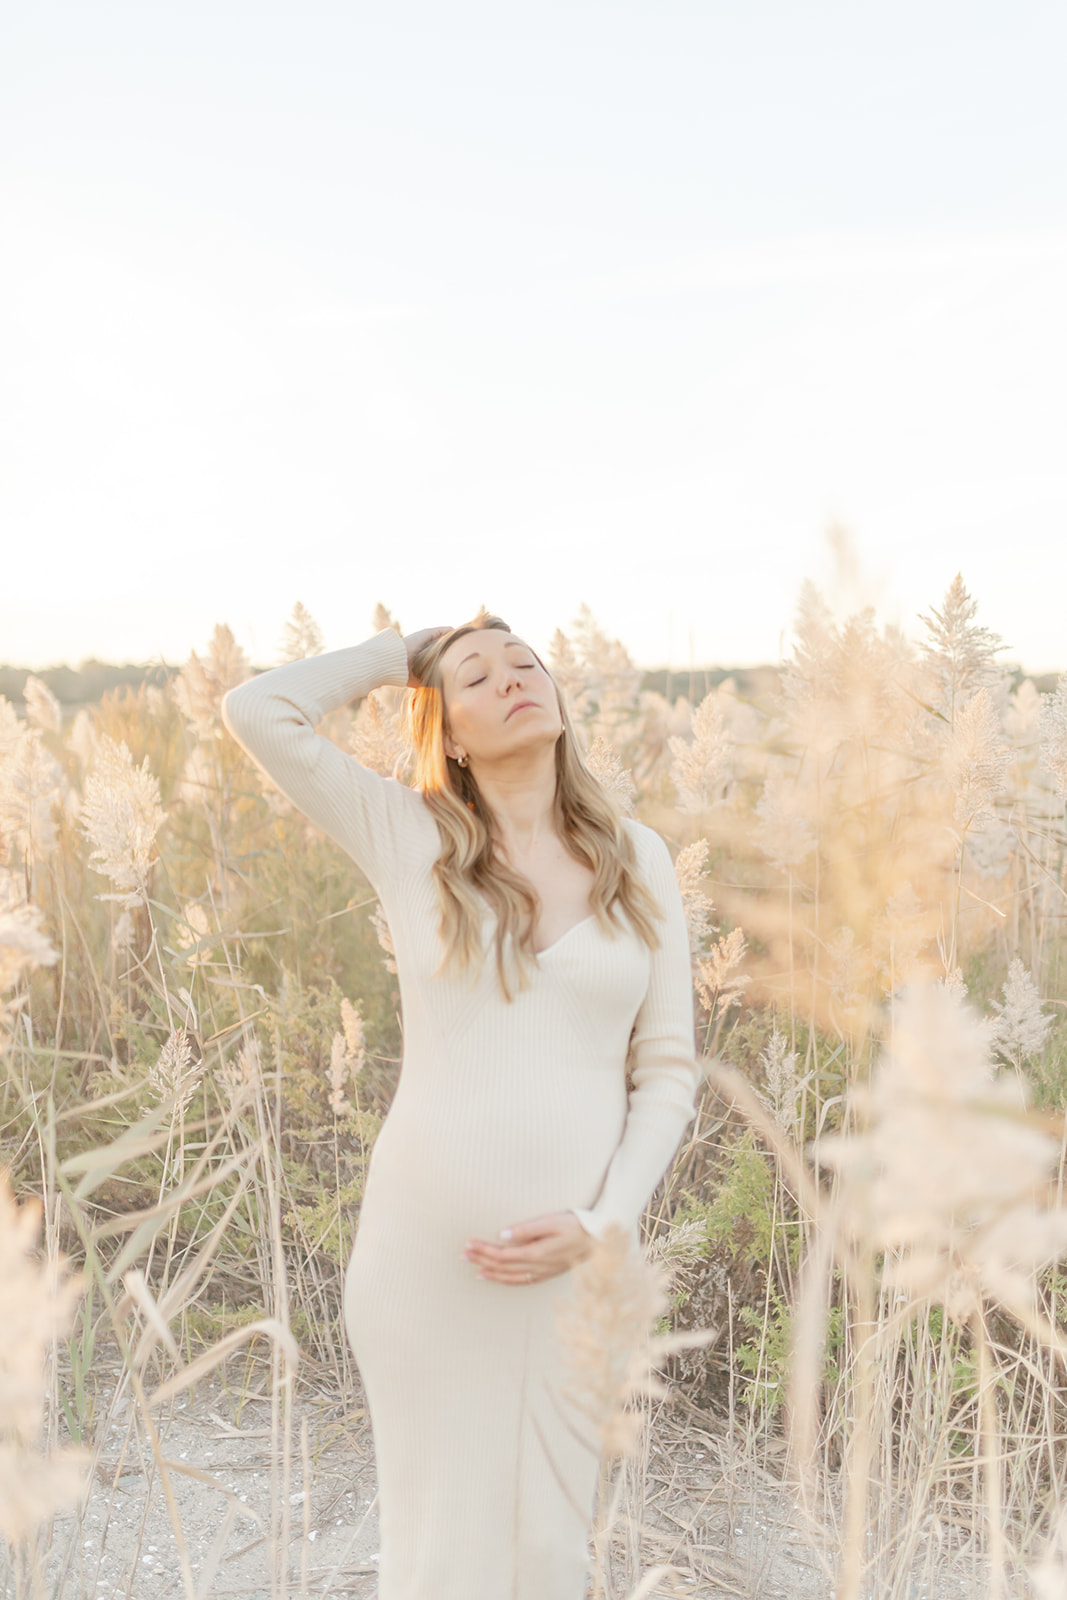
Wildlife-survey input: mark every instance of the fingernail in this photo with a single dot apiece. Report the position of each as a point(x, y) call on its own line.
point(505, 1233)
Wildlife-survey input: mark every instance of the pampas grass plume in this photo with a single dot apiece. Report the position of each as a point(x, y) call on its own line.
point(301, 636)
point(30, 779)
point(1054, 733)
point(607, 1335)
point(948, 1169)
point(976, 761)
point(1021, 1027)
point(959, 653)
point(22, 944)
point(603, 762)
point(690, 865)
point(703, 766)
point(178, 1070)
point(378, 739)
point(42, 708)
point(348, 1056)
point(203, 681)
point(121, 815)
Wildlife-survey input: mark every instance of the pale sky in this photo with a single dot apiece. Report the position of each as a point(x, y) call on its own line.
point(529, 305)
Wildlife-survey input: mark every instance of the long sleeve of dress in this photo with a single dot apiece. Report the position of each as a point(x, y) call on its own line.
point(663, 1070)
point(274, 717)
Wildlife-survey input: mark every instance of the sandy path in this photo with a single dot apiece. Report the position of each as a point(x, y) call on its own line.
point(123, 1543)
point(722, 1527)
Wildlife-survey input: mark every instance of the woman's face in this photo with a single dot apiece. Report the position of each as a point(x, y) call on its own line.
point(499, 701)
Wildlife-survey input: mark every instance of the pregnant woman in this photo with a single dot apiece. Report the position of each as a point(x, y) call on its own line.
point(542, 957)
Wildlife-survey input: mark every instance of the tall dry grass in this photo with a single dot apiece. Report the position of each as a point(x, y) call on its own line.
point(201, 1036)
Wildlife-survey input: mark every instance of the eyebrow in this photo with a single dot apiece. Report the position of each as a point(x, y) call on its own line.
point(512, 644)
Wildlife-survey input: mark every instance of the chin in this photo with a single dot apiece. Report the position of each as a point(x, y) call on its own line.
point(536, 737)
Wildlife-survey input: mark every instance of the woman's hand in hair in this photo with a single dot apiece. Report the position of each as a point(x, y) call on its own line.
point(529, 1252)
point(416, 642)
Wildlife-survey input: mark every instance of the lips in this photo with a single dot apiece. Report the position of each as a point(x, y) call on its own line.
point(521, 706)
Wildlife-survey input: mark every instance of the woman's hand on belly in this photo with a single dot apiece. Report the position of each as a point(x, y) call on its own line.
point(529, 1252)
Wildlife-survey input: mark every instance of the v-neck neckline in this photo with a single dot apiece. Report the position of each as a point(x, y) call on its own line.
point(572, 929)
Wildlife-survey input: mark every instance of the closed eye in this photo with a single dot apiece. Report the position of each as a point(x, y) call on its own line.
point(523, 666)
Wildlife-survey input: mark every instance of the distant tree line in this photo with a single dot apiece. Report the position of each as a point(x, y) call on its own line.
point(84, 685)
point(87, 684)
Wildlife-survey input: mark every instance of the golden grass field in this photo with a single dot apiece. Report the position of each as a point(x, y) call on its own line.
point(855, 1290)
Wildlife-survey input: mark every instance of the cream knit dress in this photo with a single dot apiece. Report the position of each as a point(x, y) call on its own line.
point(504, 1112)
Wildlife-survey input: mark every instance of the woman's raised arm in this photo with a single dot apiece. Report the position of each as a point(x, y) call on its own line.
point(380, 823)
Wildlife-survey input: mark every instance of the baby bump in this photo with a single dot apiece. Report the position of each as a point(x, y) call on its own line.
point(495, 1164)
point(408, 1288)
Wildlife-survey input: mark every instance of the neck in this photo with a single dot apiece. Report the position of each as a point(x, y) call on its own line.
point(521, 794)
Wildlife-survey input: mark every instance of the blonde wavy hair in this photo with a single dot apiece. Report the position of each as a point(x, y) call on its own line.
point(468, 872)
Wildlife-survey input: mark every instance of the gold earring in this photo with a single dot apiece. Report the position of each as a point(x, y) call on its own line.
point(461, 761)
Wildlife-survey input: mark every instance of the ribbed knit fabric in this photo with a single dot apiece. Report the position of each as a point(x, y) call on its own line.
point(504, 1112)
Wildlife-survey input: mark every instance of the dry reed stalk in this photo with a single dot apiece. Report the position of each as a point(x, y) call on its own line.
point(136, 1357)
point(948, 1175)
point(606, 1332)
point(611, 1349)
point(37, 1302)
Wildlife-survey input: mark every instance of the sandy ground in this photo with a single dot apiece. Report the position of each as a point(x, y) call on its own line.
point(233, 1502)
point(720, 1527)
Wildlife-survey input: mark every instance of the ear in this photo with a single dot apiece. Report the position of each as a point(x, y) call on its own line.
point(452, 749)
